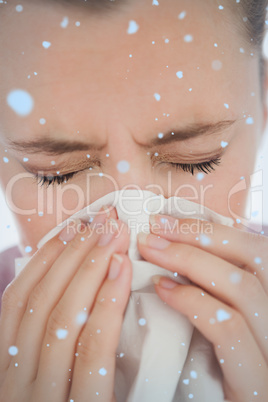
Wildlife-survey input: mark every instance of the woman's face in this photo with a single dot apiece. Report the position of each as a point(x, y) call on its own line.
point(126, 93)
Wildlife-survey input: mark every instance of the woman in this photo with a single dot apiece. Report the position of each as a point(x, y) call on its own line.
point(138, 94)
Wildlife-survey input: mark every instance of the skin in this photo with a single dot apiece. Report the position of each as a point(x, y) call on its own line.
point(117, 112)
point(112, 104)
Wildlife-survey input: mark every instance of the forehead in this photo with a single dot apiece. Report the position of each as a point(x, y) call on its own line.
point(139, 64)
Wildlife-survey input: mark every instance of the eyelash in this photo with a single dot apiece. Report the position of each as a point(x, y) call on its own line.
point(59, 179)
point(205, 167)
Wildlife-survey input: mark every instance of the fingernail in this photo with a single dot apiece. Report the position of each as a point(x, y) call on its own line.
point(69, 232)
point(102, 215)
point(152, 219)
point(164, 282)
point(108, 209)
point(110, 228)
point(115, 267)
point(153, 241)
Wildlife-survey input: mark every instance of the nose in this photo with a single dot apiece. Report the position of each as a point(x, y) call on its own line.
point(138, 177)
point(129, 164)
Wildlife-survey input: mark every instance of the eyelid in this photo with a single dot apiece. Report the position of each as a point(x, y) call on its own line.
point(175, 157)
point(52, 171)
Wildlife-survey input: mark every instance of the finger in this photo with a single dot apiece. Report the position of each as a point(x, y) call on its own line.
point(39, 289)
point(223, 280)
point(71, 312)
point(16, 295)
point(94, 369)
point(106, 211)
point(245, 249)
point(242, 363)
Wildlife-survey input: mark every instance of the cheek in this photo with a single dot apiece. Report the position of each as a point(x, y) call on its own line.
point(231, 185)
point(38, 209)
point(18, 187)
point(35, 209)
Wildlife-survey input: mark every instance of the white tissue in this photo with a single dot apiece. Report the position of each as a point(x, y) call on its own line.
point(159, 356)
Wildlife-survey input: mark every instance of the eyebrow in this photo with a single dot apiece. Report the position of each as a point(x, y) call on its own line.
point(100, 6)
point(192, 131)
point(52, 146)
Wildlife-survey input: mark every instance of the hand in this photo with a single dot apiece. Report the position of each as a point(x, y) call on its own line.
point(64, 316)
point(227, 298)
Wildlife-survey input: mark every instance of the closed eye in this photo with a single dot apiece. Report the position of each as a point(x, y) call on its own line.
point(205, 167)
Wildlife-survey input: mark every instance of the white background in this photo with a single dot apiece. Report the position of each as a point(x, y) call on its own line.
point(9, 235)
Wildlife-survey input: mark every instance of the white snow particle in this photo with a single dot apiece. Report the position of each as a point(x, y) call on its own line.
point(188, 38)
point(61, 333)
point(102, 371)
point(193, 374)
point(157, 97)
point(81, 318)
point(46, 44)
point(142, 321)
point(222, 315)
point(179, 74)
point(19, 8)
point(249, 120)
point(13, 350)
point(64, 23)
point(133, 27)
point(204, 240)
point(182, 15)
point(200, 176)
point(123, 166)
point(20, 101)
point(224, 144)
